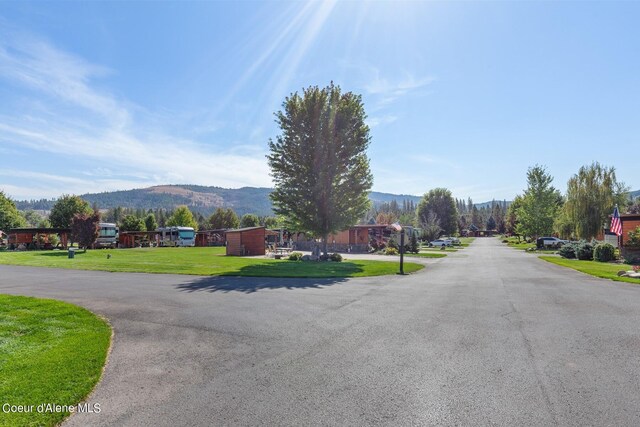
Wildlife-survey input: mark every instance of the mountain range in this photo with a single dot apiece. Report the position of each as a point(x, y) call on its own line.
point(205, 199)
point(198, 198)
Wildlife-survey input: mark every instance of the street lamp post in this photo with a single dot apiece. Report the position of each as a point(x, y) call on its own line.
point(402, 251)
point(397, 227)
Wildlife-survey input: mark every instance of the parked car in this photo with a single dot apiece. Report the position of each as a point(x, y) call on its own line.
point(550, 242)
point(440, 243)
point(454, 240)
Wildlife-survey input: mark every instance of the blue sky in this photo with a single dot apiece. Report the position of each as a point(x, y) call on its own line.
point(101, 96)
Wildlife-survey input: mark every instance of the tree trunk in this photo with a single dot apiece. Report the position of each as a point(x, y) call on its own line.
point(324, 245)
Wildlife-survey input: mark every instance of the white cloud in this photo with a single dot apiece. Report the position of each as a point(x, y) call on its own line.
point(389, 91)
point(381, 120)
point(73, 118)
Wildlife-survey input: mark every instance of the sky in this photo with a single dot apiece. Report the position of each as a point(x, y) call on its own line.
point(102, 96)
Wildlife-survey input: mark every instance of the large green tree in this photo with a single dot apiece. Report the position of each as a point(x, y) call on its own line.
point(223, 218)
point(9, 215)
point(319, 163)
point(441, 202)
point(132, 223)
point(65, 208)
point(540, 204)
point(150, 222)
point(249, 220)
point(182, 217)
point(591, 196)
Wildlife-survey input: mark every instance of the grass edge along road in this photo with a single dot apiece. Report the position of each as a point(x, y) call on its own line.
point(51, 352)
point(207, 261)
point(603, 270)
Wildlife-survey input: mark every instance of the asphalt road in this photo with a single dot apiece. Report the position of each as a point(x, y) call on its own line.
point(487, 336)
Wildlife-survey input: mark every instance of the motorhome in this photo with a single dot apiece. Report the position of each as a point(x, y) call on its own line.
point(108, 236)
point(177, 236)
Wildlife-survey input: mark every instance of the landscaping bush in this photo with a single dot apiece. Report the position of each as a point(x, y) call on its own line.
point(633, 260)
point(295, 256)
point(391, 251)
point(335, 257)
point(634, 238)
point(568, 251)
point(604, 252)
point(413, 245)
point(584, 251)
point(393, 244)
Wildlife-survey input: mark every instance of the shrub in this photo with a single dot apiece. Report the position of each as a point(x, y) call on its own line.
point(295, 256)
point(393, 244)
point(413, 245)
point(391, 251)
point(584, 250)
point(568, 251)
point(634, 238)
point(335, 257)
point(634, 260)
point(604, 252)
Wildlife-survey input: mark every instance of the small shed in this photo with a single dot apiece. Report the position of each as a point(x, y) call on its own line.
point(246, 241)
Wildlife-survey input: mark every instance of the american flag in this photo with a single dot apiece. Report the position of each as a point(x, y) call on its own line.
point(396, 226)
point(616, 225)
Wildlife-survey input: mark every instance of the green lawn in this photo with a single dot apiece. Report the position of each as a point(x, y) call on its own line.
point(446, 249)
point(440, 254)
point(199, 261)
point(466, 241)
point(50, 352)
point(604, 270)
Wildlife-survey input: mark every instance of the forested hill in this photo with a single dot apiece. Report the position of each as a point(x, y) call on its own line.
point(206, 199)
point(199, 199)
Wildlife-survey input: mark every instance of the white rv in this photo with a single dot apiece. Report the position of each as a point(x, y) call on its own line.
point(177, 236)
point(108, 237)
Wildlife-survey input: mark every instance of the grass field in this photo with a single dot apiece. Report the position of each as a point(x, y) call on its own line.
point(427, 254)
point(50, 352)
point(604, 270)
point(523, 245)
point(199, 261)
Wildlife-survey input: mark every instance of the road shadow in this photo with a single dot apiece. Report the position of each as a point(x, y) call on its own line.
point(62, 254)
point(254, 284)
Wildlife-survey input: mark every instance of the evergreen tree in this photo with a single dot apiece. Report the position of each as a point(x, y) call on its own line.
point(319, 163)
point(491, 223)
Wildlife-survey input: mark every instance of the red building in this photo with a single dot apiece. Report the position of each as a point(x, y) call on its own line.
point(246, 241)
point(629, 223)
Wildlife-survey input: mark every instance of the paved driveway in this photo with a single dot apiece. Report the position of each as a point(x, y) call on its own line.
point(486, 336)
